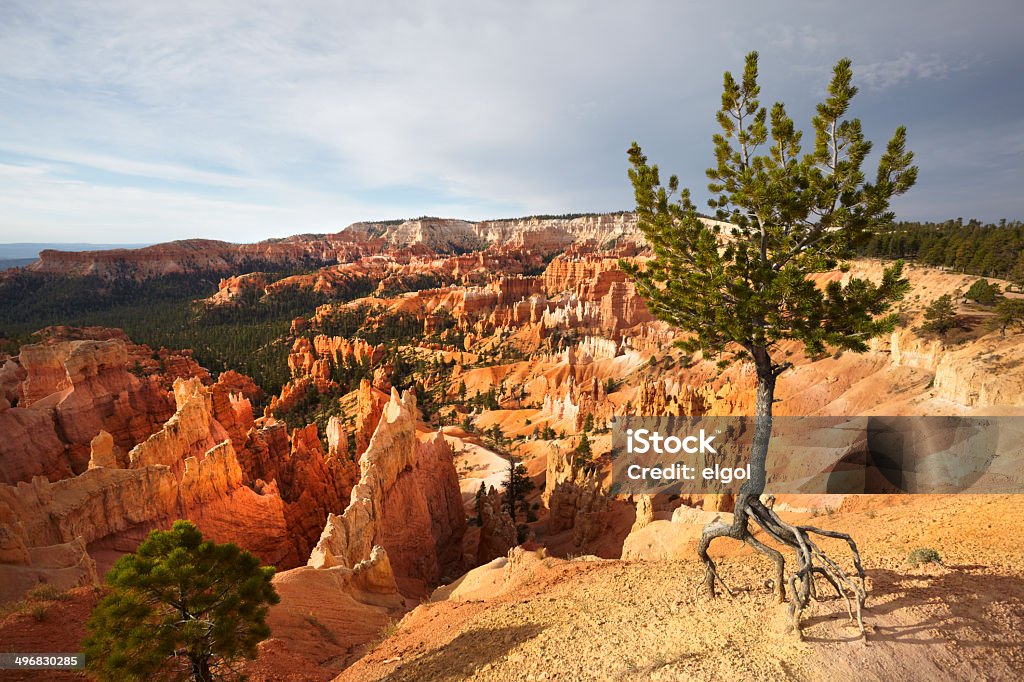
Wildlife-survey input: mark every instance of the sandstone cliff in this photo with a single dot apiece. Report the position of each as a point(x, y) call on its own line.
point(69, 392)
point(188, 469)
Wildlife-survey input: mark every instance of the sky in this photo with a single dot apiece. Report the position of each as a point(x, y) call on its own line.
point(149, 121)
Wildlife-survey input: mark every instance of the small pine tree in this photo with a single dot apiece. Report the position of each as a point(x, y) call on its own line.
point(588, 424)
point(1009, 313)
point(180, 607)
point(517, 485)
point(1016, 275)
point(583, 450)
point(497, 435)
point(940, 315)
point(984, 293)
point(481, 493)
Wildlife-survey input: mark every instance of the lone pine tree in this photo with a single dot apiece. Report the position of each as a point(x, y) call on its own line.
point(518, 485)
point(180, 608)
point(1009, 313)
point(584, 452)
point(984, 293)
point(940, 315)
point(742, 286)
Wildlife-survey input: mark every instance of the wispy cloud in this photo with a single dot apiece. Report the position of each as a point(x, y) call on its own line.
point(257, 118)
point(804, 38)
point(907, 66)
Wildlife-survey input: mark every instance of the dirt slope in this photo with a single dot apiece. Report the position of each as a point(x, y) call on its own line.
point(600, 620)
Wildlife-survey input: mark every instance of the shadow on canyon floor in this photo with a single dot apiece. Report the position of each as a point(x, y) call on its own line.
point(466, 654)
point(965, 603)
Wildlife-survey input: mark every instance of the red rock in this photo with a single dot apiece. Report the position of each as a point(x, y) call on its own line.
point(353, 605)
point(45, 374)
point(31, 447)
point(232, 410)
point(104, 396)
point(11, 376)
point(239, 383)
point(310, 483)
point(187, 469)
point(101, 451)
point(236, 287)
point(61, 567)
point(370, 404)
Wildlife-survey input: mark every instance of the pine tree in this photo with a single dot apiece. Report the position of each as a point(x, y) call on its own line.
point(180, 608)
point(481, 493)
point(497, 435)
point(984, 293)
point(517, 485)
point(583, 450)
point(1009, 313)
point(940, 315)
point(741, 289)
point(1016, 274)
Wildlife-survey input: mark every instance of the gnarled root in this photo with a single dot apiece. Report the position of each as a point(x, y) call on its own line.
point(811, 560)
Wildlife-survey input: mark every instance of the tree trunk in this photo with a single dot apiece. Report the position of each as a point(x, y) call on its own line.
point(811, 560)
point(754, 486)
point(201, 668)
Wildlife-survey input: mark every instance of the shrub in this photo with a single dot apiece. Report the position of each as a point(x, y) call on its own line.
point(44, 592)
point(924, 555)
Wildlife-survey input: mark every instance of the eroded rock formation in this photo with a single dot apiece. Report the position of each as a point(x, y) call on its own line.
point(262, 488)
point(407, 501)
point(575, 497)
point(497, 529)
point(69, 392)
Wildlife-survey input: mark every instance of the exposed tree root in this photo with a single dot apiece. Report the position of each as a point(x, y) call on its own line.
point(810, 559)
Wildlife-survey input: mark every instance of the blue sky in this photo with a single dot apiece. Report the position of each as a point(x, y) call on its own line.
point(144, 122)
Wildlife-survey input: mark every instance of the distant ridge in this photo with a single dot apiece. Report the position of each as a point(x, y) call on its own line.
point(6, 263)
point(30, 250)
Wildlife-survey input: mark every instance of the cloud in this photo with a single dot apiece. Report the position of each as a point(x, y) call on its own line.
point(315, 114)
point(805, 38)
point(908, 66)
point(37, 200)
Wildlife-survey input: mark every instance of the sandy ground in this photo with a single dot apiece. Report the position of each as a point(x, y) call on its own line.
point(475, 464)
point(601, 620)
